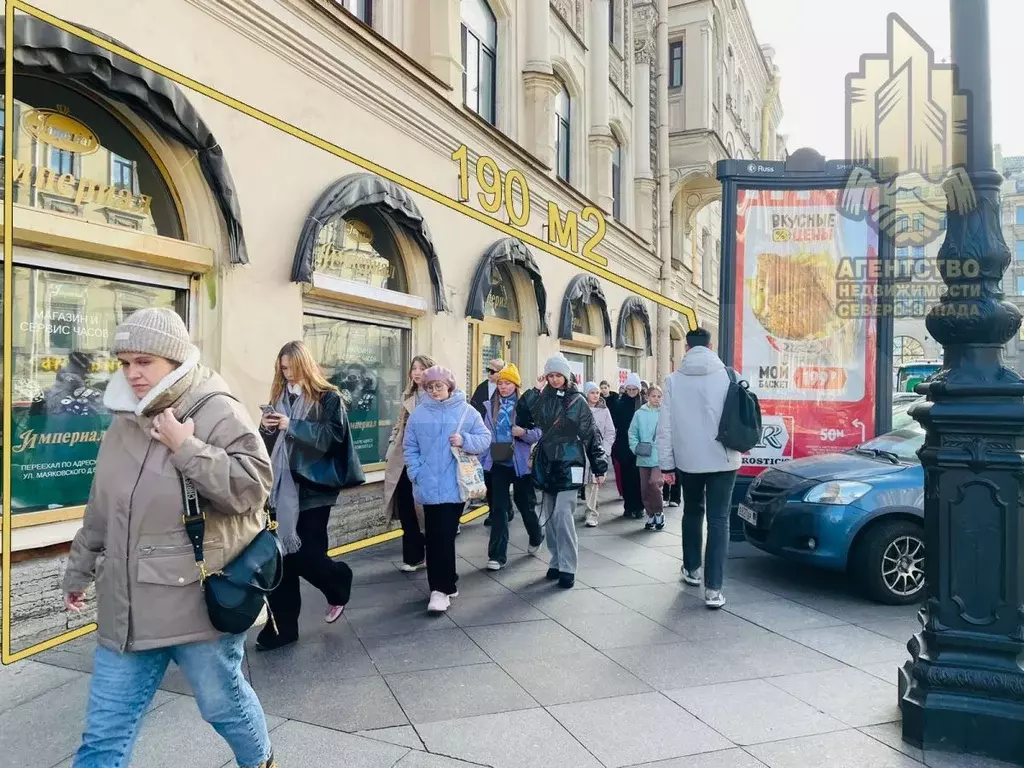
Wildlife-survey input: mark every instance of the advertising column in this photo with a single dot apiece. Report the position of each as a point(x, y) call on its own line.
point(805, 319)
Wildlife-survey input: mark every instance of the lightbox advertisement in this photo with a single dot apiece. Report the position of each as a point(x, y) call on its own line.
point(806, 322)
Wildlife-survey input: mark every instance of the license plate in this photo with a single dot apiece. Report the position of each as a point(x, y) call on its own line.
point(747, 514)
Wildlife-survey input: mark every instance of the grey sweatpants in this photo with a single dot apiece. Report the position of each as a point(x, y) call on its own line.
point(560, 529)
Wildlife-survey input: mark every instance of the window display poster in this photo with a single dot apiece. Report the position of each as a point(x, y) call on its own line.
point(806, 322)
point(367, 364)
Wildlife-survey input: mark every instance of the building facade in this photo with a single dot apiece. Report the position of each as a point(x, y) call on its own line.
point(724, 102)
point(495, 197)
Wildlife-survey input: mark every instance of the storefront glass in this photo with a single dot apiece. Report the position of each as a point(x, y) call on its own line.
point(368, 363)
point(63, 326)
point(582, 366)
point(362, 249)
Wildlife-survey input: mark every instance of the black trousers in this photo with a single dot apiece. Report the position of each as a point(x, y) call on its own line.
point(311, 562)
point(414, 543)
point(442, 521)
point(633, 502)
point(503, 478)
point(673, 492)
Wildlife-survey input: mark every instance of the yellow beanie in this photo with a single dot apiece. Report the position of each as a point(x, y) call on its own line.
point(511, 373)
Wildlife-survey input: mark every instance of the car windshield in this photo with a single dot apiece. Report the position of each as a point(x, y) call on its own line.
point(901, 443)
point(901, 417)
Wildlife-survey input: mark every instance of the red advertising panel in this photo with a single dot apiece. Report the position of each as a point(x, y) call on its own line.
point(806, 323)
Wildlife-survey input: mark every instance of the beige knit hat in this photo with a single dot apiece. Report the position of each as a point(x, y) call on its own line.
point(153, 331)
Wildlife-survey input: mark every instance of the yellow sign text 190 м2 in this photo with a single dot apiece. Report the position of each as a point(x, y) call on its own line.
point(498, 191)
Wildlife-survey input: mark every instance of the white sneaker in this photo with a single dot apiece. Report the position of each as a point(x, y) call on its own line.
point(439, 602)
point(454, 594)
point(691, 578)
point(533, 549)
point(590, 519)
point(713, 598)
point(493, 565)
point(673, 503)
point(406, 568)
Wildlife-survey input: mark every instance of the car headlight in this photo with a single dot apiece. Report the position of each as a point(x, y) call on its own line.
point(836, 492)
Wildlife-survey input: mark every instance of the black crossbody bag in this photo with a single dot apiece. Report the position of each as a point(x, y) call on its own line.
point(236, 594)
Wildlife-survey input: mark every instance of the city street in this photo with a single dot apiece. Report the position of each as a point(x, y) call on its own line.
point(627, 669)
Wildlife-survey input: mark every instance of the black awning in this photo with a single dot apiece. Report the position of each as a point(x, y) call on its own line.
point(42, 47)
point(634, 307)
point(509, 251)
point(358, 190)
point(582, 290)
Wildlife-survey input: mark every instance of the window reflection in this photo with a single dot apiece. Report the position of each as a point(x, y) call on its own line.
point(63, 325)
point(368, 363)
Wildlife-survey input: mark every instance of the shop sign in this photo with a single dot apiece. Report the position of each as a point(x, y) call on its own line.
point(498, 191)
point(81, 191)
point(811, 365)
point(53, 458)
point(60, 130)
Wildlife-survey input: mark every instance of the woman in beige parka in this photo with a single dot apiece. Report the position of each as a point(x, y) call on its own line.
point(398, 498)
point(133, 544)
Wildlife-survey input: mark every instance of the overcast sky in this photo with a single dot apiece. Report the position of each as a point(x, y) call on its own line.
point(817, 42)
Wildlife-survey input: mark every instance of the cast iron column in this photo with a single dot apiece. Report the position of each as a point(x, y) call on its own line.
point(963, 690)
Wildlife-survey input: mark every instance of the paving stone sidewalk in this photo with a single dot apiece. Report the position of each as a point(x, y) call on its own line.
point(627, 669)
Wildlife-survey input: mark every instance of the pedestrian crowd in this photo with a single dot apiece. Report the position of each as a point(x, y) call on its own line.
point(179, 435)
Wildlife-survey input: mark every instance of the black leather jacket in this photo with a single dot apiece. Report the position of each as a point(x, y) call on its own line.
point(323, 456)
point(569, 438)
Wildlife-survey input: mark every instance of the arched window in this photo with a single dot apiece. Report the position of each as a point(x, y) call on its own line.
point(905, 349)
point(617, 181)
point(361, 248)
point(563, 133)
point(501, 301)
point(479, 58)
point(581, 318)
point(105, 175)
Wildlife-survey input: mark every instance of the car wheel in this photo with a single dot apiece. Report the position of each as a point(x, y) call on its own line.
point(891, 562)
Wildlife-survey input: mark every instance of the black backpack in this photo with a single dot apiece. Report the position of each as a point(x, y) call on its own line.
point(740, 426)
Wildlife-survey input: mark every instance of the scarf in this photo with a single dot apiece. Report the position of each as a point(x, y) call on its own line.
point(503, 425)
point(284, 494)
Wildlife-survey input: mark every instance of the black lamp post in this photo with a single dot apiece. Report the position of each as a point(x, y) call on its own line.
point(963, 690)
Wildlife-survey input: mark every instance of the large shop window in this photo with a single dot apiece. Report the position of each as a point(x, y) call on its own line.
point(63, 326)
point(368, 363)
point(72, 156)
point(499, 334)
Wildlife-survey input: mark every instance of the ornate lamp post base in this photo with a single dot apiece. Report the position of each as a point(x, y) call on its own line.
point(963, 690)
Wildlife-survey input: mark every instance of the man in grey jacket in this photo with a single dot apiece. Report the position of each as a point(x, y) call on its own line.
point(691, 409)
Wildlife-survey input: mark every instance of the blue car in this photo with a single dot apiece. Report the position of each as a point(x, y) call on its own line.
point(861, 511)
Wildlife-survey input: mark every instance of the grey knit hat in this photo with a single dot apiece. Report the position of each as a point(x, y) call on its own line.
point(558, 364)
point(154, 331)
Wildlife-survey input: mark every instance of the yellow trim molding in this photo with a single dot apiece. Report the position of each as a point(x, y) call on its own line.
point(68, 234)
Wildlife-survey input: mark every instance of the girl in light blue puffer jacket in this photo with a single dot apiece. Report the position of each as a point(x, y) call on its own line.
point(442, 421)
point(643, 437)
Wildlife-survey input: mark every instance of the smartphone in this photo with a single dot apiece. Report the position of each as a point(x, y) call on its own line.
point(267, 409)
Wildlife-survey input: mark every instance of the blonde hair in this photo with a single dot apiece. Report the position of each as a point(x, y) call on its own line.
point(655, 388)
point(427, 362)
point(305, 370)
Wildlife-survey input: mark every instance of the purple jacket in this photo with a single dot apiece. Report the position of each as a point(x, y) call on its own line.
point(521, 445)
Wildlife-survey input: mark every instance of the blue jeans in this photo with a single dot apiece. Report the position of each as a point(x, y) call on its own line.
point(123, 685)
point(717, 488)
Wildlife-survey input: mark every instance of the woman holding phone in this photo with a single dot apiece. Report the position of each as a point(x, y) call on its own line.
point(306, 431)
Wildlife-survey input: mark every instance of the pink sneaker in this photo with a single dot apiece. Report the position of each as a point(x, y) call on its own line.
point(333, 613)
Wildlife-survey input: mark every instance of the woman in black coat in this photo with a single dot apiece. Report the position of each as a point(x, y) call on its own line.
point(623, 408)
point(307, 434)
